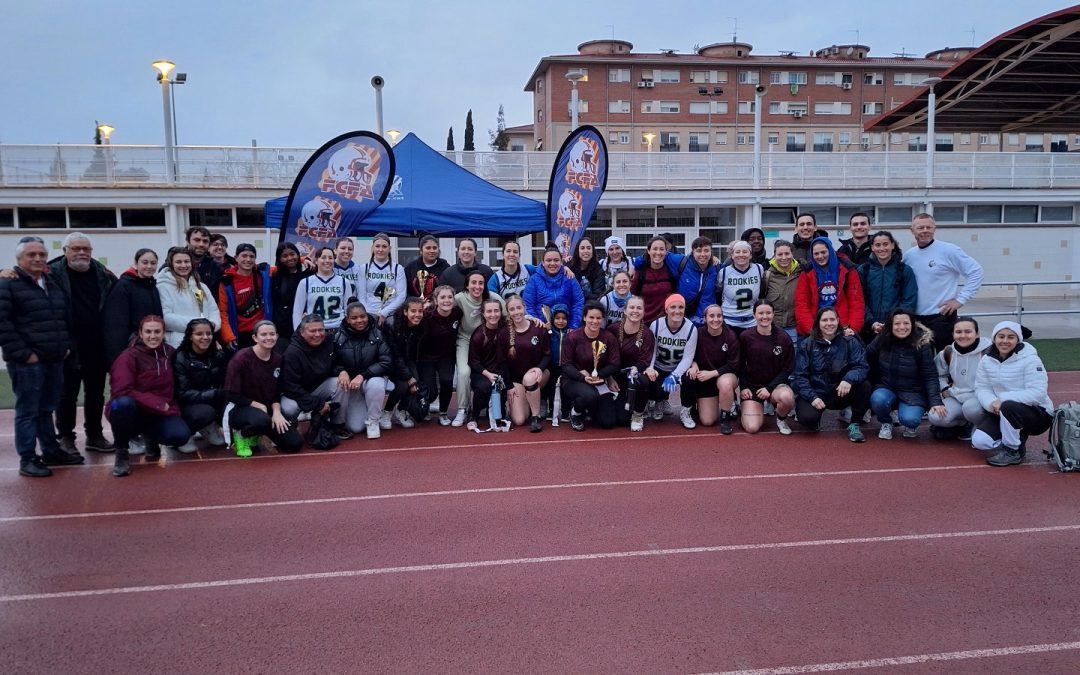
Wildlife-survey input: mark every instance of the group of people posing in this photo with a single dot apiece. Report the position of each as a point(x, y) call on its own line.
point(232, 350)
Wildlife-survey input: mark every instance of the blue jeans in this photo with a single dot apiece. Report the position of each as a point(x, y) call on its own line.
point(37, 388)
point(883, 401)
point(127, 421)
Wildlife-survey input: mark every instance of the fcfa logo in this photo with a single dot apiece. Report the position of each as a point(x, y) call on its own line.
point(584, 164)
point(319, 219)
point(351, 172)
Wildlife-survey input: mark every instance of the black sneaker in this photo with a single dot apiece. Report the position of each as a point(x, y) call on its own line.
point(965, 432)
point(98, 443)
point(343, 432)
point(67, 444)
point(153, 452)
point(577, 422)
point(725, 424)
point(121, 466)
point(1007, 457)
point(61, 458)
point(535, 427)
point(34, 468)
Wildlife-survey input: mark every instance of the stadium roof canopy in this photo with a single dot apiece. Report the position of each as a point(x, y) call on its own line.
point(1025, 79)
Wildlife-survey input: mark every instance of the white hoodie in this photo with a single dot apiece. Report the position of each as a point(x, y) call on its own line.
point(180, 307)
point(959, 374)
point(1021, 378)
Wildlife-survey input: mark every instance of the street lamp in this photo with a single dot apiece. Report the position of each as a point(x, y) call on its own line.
point(394, 134)
point(704, 91)
point(931, 142)
point(164, 67)
point(649, 139)
point(759, 93)
point(574, 76)
point(106, 131)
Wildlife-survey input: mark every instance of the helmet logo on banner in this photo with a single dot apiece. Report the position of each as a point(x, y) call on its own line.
point(396, 192)
point(351, 172)
point(319, 219)
point(584, 164)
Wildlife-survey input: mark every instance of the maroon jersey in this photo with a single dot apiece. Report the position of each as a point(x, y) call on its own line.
point(249, 378)
point(767, 360)
point(637, 349)
point(654, 287)
point(532, 349)
point(577, 354)
point(439, 339)
point(484, 350)
point(717, 352)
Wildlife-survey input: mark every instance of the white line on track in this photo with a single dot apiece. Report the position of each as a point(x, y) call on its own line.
point(489, 490)
point(908, 660)
point(476, 564)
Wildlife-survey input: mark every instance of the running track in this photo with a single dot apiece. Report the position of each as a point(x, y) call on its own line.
point(441, 550)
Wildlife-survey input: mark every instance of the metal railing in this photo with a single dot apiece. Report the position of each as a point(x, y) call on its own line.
point(1055, 304)
point(224, 166)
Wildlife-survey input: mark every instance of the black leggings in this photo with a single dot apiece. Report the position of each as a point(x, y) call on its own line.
point(248, 421)
point(438, 376)
point(199, 415)
point(481, 395)
point(858, 398)
point(641, 397)
point(584, 398)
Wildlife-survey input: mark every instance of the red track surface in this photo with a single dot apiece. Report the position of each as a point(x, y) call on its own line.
point(666, 551)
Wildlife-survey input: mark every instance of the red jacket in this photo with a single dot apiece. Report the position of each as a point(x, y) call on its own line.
point(145, 375)
point(850, 304)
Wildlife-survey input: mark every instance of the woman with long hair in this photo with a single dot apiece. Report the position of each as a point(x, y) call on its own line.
point(486, 361)
point(831, 373)
point(200, 381)
point(676, 342)
point(325, 293)
point(404, 334)
point(471, 302)
point(615, 261)
point(344, 265)
point(511, 278)
point(781, 280)
point(525, 348)
point(957, 365)
point(244, 298)
point(588, 271)
point(902, 370)
point(382, 284)
point(768, 359)
point(132, 298)
point(590, 355)
point(287, 274)
point(1011, 385)
point(143, 398)
point(183, 296)
point(887, 283)
point(251, 381)
point(712, 378)
point(830, 281)
point(438, 349)
point(653, 282)
point(636, 344)
point(614, 301)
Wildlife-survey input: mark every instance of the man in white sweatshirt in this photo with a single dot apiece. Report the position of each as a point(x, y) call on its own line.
point(939, 267)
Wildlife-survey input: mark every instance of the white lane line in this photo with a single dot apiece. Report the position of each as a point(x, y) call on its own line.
point(908, 660)
point(439, 567)
point(490, 490)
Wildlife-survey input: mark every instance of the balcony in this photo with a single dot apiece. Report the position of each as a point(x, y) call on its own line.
point(133, 166)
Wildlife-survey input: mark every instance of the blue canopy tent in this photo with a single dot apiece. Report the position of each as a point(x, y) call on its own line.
point(433, 195)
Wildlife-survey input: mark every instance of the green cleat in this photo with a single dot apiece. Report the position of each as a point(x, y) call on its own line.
point(242, 444)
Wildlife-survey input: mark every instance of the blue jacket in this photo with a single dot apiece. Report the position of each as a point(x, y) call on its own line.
point(821, 365)
point(886, 287)
point(548, 290)
point(696, 285)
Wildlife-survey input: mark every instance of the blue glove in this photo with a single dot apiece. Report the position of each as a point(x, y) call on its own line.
point(670, 383)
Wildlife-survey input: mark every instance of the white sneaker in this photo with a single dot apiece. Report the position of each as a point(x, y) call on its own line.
point(665, 407)
point(637, 421)
point(373, 430)
point(303, 416)
point(444, 420)
point(911, 433)
point(384, 421)
point(459, 418)
point(886, 431)
point(471, 426)
point(782, 426)
point(137, 446)
point(687, 419)
point(186, 448)
point(214, 435)
point(433, 407)
point(403, 419)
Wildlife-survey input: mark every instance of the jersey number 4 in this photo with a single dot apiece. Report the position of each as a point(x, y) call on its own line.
point(327, 308)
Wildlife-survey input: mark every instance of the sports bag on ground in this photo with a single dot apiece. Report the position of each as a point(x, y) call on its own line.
point(1064, 437)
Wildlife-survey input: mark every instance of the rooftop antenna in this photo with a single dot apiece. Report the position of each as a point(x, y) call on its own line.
point(735, 29)
point(903, 53)
point(612, 27)
point(668, 52)
point(856, 31)
point(972, 31)
point(786, 52)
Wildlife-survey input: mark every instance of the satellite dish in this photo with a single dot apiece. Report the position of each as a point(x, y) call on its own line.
point(850, 51)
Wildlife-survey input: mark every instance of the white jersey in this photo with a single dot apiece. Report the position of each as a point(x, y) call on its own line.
point(611, 269)
point(738, 291)
point(326, 297)
point(674, 352)
point(506, 285)
point(382, 288)
point(613, 307)
point(350, 273)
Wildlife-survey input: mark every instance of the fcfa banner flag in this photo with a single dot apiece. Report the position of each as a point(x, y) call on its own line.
point(577, 181)
point(343, 182)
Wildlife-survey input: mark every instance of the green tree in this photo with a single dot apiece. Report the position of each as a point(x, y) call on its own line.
point(469, 145)
point(499, 140)
point(450, 140)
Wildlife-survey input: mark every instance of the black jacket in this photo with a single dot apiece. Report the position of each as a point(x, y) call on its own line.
point(106, 279)
point(856, 254)
point(366, 353)
point(305, 368)
point(456, 273)
point(283, 287)
point(33, 321)
point(405, 347)
point(800, 250)
point(200, 379)
point(132, 298)
point(592, 280)
point(907, 368)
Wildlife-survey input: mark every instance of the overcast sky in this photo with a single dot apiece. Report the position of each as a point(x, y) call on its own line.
point(296, 73)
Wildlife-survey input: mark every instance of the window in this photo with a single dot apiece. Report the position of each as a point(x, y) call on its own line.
point(517, 145)
point(943, 142)
point(584, 72)
point(864, 140)
point(916, 143)
point(539, 84)
point(796, 141)
point(774, 138)
point(823, 142)
point(1017, 213)
point(1059, 143)
point(988, 139)
point(624, 138)
point(636, 217)
point(668, 76)
point(618, 106)
point(744, 139)
point(775, 107)
point(825, 78)
point(844, 138)
point(908, 79)
point(32, 218)
point(92, 219)
point(1033, 142)
point(669, 106)
point(873, 78)
point(7, 218)
point(210, 218)
point(786, 77)
point(540, 114)
point(947, 214)
point(583, 106)
point(896, 138)
point(647, 74)
point(965, 139)
point(1050, 214)
point(669, 141)
point(708, 76)
point(873, 108)
point(699, 107)
point(721, 138)
point(834, 108)
point(794, 107)
point(894, 214)
point(618, 75)
point(650, 106)
point(749, 76)
point(250, 217)
point(142, 218)
point(699, 142)
point(746, 107)
point(984, 213)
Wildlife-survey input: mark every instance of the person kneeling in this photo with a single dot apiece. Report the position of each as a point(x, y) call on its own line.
point(901, 360)
point(364, 360)
point(143, 400)
point(309, 376)
point(590, 355)
point(253, 387)
point(200, 382)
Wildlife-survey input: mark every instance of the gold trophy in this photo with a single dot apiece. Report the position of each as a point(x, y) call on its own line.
point(198, 297)
point(598, 348)
point(421, 278)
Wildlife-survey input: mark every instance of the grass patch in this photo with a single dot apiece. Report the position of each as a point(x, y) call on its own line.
point(1057, 355)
